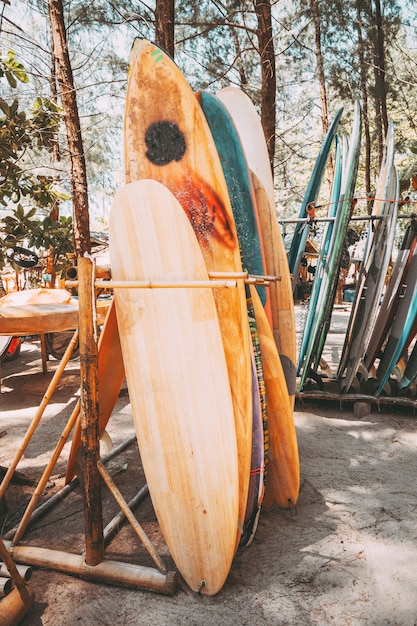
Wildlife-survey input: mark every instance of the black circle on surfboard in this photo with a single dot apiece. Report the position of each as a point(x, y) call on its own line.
point(22, 257)
point(165, 143)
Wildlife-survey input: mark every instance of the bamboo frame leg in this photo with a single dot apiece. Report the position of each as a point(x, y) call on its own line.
point(132, 519)
point(44, 403)
point(112, 572)
point(15, 606)
point(114, 524)
point(46, 474)
point(89, 416)
point(65, 491)
point(43, 353)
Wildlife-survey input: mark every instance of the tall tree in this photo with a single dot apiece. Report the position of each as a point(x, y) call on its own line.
point(320, 65)
point(268, 74)
point(164, 25)
point(65, 80)
point(379, 64)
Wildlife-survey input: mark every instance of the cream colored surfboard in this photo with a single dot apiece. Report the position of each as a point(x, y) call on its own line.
point(248, 124)
point(167, 138)
point(178, 382)
point(283, 467)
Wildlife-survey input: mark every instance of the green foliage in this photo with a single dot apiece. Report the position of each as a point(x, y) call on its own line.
point(12, 70)
point(45, 234)
point(23, 134)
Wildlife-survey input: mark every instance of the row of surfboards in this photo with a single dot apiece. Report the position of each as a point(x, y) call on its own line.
point(206, 343)
point(382, 322)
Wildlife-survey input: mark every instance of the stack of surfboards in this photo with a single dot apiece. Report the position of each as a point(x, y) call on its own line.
point(211, 405)
point(321, 307)
point(373, 269)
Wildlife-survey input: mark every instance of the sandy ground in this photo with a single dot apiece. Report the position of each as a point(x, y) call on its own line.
point(346, 555)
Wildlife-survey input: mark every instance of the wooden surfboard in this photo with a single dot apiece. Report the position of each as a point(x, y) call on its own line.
point(239, 185)
point(111, 375)
point(167, 138)
point(282, 303)
point(283, 468)
point(178, 382)
point(248, 124)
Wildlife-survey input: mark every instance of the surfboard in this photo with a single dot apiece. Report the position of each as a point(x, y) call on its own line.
point(248, 124)
point(259, 435)
point(323, 254)
point(283, 467)
point(395, 290)
point(239, 186)
point(282, 302)
point(373, 269)
point(403, 327)
point(178, 382)
point(301, 231)
point(410, 371)
point(111, 375)
point(321, 323)
point(167, 138)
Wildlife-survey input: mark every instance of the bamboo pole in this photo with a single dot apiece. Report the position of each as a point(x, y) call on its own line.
point(113, 572)
point(161, 284)
point(132, 519)
point(24, 571)
point(65, 491)
point(17, 603)
point(41, 409)
point(14, 607)
point(6, 585)
point(90, 436)
point(46, 474)
point(114, 524)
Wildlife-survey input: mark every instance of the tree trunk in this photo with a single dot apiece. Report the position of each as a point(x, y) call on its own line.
point(380, 85)
point(268, 72)
point(164, 25)
point(320, 66)
point(322, 82)
point(72, 123)
point(54, 214)
point(364, 98)
point(231, 9)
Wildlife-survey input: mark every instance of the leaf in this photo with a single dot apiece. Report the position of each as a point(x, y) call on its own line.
point(11, 79)
point(4, 107)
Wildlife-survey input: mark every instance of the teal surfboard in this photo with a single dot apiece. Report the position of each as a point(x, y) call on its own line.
point(402, 328)
point(302, 230)
point(239, 185)
point(323, 255)
point(330, 276)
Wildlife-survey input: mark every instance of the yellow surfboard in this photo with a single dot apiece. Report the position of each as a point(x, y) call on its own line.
point(178, 382)
point(168, 139)
point(283, 467)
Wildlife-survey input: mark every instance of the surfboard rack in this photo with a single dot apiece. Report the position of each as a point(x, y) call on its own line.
point(361, 402)
point(216, 280)
point(91, 565)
